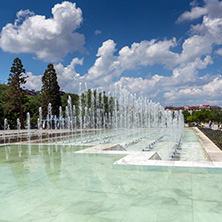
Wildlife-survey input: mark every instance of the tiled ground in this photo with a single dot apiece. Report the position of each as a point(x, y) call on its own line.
point(52, 183)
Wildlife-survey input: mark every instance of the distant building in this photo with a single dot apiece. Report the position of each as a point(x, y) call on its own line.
point(192, 109)
point(205, 107)
point(61, 93)
point(216, 107)
point(31, 92)
point(175, 108)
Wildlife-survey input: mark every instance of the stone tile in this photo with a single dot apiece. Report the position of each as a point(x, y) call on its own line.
point(183, 164)
point(217, 164)
point(70, 217)
point(207, 207)
point(164, 163)
point(206, 217)
point(102, 219)
point(138, 214)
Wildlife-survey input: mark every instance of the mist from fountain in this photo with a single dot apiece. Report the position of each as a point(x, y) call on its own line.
point(120, 117)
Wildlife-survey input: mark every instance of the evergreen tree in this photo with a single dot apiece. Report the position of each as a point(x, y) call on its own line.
point(14, 94)
point(2, 104)
point(50, 91)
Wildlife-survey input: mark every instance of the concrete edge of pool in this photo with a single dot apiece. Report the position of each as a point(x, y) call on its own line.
point(152, 158)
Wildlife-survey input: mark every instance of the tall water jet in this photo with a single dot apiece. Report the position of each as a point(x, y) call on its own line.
point(39, 124)
point(55, 127)
point(80, 110)
point(6, 127)
point(18, 130)
point(28, 125)
point(121, 116)
point(49, 121)
point(61, 124)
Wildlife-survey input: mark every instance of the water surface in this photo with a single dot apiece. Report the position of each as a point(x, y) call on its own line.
point(51, 183)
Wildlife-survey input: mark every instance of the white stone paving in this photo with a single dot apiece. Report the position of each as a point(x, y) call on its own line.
point(152, 158)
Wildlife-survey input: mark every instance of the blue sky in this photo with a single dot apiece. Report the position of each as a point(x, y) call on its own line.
point(169, 51)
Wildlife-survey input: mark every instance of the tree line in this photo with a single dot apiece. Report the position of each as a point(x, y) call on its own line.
point(204, 115)
point(14, 103)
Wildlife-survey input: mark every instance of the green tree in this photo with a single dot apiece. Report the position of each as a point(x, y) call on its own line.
point(14, 94)
point(50, 91)
point(2, 104)
point(186, 114)
point(32, 105)
point(191, 119)
point(64, 100)
point(203, 115)
point(217, 114)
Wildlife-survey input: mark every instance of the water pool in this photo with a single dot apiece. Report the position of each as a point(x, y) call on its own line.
point(51, 183)
point(191, 148)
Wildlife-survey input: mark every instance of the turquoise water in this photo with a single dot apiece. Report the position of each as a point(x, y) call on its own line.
point(192, 149)
point(51, 183)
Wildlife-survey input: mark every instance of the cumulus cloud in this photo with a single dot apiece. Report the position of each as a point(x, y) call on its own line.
point(68, 78)
point(49, 39)
point(212, 8)
point(188, 72)
point(186, 83)
point(219, 52)
point(204, 36)
point(148, 53)
point(106, 67)
point(33, 81)
point(208, 93)
point(140, 86)
point(109, 66)
point(195, 13)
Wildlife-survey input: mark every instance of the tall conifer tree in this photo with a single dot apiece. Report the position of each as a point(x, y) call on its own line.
point(50, 91)
point(14, 93)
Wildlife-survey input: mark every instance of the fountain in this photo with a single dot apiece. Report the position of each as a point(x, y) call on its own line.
point(119, 118)
point(52, 170)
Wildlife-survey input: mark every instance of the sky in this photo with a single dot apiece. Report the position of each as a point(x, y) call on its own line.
point(168, 51)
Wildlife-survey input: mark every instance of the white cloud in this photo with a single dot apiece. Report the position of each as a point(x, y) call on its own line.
point(188, 72)
point(106, 67)
point(213, 88)
point(195, 47)
point(219, 52)
point(195, 13)
point(109, 66)
point(212, 8)
point(142, 86)
point(185, 83)
point(68, 78)
point(208, 93)
point(148, 53)
point(50, 39)
point(33, 81)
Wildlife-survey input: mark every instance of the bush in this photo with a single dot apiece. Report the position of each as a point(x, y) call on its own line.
point(214, 135)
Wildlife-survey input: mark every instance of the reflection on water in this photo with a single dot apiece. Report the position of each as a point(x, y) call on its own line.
point(51, 183)
point(22, 160)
